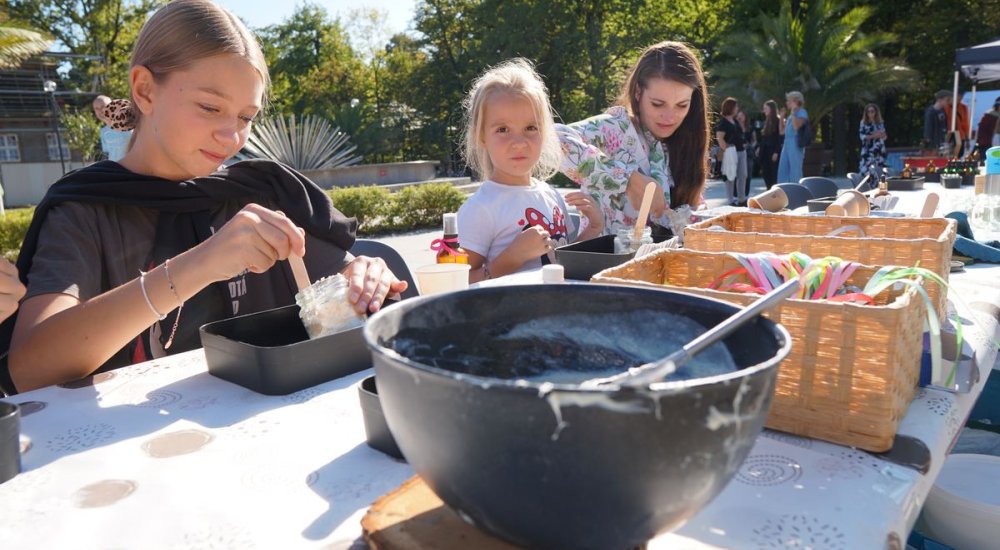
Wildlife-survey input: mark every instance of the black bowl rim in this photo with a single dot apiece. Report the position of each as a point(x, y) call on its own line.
point(545, 387)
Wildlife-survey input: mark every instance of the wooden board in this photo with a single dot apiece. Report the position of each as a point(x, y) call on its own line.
point(412, 517)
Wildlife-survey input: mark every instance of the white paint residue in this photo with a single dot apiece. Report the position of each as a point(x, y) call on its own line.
point(557, 400)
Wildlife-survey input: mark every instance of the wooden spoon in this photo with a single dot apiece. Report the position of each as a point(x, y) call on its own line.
point(930, 205)
point(647, 202)
point(299, 271)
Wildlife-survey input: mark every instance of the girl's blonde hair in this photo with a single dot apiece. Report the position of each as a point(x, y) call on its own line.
point(185, 31)
point(517, 77)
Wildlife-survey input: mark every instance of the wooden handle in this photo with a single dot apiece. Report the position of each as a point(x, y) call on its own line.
point(647, 202)
point(299, 271)
point(930, 205)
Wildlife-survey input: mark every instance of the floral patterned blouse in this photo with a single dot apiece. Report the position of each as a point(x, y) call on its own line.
point(601, 153)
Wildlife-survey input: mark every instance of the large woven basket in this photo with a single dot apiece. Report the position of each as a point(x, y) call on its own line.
point(886, 241)
point(852, 370)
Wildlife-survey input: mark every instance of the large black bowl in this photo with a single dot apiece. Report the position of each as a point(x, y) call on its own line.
point(557, 465)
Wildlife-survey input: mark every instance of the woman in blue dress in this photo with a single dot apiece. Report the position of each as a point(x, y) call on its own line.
point(790, 164)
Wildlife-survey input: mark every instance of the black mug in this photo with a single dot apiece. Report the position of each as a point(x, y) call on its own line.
point(10, 445)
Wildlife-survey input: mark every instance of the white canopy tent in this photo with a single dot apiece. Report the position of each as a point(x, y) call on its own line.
point(980, 64)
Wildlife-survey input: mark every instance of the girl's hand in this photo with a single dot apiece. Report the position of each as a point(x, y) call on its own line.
point(531, 243)
point(371, 283)
point(588, 209)
point(637, 187)
point(774, 157)
point(11, 289)
point(254, 239)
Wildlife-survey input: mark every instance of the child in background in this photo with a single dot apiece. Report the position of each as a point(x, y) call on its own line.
point(115, 114)
point(515, 220)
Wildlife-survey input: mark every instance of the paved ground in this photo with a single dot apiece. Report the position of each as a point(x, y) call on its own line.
point(415, 246)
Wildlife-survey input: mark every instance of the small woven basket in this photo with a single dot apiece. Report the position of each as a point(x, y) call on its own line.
point(885, 241)
point(853, 369)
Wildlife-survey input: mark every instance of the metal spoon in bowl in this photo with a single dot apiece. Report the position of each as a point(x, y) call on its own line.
point(646, 374)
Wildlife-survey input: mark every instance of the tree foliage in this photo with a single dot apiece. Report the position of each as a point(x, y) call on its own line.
point(82, 131)
point(822, 52)
point(18, 41)
point(312, 64)
point(105, 28)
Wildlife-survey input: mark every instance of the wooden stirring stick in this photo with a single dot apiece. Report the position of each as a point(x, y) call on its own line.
point(647, 202)
point(299, 271)
point(930, 205)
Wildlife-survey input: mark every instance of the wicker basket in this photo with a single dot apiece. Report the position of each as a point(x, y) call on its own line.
point(886, 241)
point(852, 370)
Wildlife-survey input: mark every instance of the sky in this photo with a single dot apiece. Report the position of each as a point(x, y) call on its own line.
point(260, 13)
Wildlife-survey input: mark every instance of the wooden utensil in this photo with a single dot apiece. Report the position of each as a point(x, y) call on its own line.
point(930, 205)
point(647, 202)
point(299, 271)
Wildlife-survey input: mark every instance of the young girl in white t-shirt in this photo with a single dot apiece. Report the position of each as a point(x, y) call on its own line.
point(515, 218)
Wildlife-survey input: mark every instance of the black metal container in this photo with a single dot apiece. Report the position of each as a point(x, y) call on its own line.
point(581, 260)
point(905, 184)
point(377, 432)
point(10, 443)
point(558, 466)
point(820, 204)
point(271, 353)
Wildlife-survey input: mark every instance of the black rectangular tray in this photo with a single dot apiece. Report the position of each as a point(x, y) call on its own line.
point(905, 184)
point(581, 260)
point(271, 353)
point(820, 204)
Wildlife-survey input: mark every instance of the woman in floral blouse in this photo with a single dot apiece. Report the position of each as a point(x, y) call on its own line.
point(657, 131)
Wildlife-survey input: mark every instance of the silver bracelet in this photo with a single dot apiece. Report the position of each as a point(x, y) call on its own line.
point(486, 271)
point(142, 285)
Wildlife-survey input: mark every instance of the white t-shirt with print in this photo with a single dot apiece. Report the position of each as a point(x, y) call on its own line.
point(496, 214)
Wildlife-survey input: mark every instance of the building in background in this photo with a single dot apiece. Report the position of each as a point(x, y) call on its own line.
point(30, 146)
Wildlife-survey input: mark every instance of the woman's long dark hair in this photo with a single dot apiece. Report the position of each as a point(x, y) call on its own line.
point(688, 146)
point(771, 120)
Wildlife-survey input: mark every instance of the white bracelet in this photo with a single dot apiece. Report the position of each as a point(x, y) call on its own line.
point(142, 285)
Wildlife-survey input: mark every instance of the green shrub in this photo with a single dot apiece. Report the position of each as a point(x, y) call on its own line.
point(422, 205)
point(364, 203)
point(413, 207)
point(12, 230)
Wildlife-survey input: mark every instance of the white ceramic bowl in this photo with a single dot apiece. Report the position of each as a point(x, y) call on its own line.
point(963, 507)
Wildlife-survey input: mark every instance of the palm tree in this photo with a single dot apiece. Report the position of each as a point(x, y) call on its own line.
point(821, 52)
point(19, 42)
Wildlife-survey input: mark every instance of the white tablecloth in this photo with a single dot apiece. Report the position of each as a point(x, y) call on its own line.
point(164, 455)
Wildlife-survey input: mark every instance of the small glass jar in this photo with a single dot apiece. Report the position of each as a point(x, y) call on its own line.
point(625, 242)
point(325, 309)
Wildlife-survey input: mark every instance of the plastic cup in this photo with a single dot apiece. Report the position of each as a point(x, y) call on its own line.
point(772, 200)
point(10, 443)
point(849, 203)
point(438, 278)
